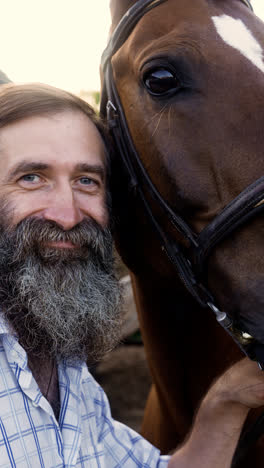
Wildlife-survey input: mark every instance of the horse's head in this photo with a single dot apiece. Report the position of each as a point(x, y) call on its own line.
point(190, 77)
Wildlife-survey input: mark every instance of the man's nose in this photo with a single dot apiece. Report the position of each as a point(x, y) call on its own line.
point(64, 210)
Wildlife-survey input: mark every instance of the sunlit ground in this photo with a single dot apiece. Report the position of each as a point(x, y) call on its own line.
point(58, 41)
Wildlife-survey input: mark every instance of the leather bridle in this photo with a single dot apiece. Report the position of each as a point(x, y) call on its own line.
point(189, 261)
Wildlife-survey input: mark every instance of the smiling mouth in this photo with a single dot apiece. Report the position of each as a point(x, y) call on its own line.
point(61, 244)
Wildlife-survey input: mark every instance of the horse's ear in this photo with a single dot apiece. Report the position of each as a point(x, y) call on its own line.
point(4, 78)
point(118, 8)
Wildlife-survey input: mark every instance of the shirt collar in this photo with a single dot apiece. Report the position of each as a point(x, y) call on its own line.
point(5, 327)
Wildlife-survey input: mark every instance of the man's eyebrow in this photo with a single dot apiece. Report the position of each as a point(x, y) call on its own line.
point(26, 166)
point(92, 168)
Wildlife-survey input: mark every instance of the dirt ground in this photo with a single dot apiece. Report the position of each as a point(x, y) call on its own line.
point(125, 378)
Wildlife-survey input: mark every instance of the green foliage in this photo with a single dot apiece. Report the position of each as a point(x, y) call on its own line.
point(96, 96)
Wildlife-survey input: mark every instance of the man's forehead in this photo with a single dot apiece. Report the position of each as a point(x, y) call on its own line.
point(53, 119)
point(61, 136)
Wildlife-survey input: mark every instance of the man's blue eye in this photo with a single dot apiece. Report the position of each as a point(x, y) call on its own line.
point(30, 177)
point(86, 181)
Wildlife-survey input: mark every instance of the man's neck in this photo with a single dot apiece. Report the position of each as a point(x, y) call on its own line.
point(45, 373)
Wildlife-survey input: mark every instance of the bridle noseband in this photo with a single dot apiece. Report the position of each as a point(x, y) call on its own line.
point(189, 263)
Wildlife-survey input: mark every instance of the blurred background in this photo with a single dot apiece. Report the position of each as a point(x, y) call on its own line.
point(58, 42)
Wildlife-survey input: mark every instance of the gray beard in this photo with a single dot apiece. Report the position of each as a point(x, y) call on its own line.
point(61, 303)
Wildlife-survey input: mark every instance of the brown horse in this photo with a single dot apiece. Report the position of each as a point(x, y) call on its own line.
point(190, 77)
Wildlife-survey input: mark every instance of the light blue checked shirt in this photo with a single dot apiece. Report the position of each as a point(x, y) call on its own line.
point(85, 436)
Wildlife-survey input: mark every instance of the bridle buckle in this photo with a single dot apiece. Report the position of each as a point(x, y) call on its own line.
point(221, 317)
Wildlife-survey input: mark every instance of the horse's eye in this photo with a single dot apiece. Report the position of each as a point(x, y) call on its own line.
point(161, 81)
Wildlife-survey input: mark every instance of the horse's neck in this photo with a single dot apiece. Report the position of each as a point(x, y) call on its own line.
point(188, 337)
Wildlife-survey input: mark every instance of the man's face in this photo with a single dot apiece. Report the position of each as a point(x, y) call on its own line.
point(58, 289)
point(53, 168)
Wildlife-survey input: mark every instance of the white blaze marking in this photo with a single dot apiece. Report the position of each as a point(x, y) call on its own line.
point(235, 33)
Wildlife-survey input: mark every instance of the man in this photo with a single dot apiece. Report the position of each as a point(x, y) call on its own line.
point(60, 301)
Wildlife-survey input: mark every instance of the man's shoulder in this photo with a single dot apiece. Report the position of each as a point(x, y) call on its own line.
point(89, 379)
point(95, 392)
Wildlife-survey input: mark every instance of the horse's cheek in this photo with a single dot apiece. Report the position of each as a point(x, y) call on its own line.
point(235, 274)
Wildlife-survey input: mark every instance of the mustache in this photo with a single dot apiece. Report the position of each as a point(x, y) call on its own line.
point(33, 233)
